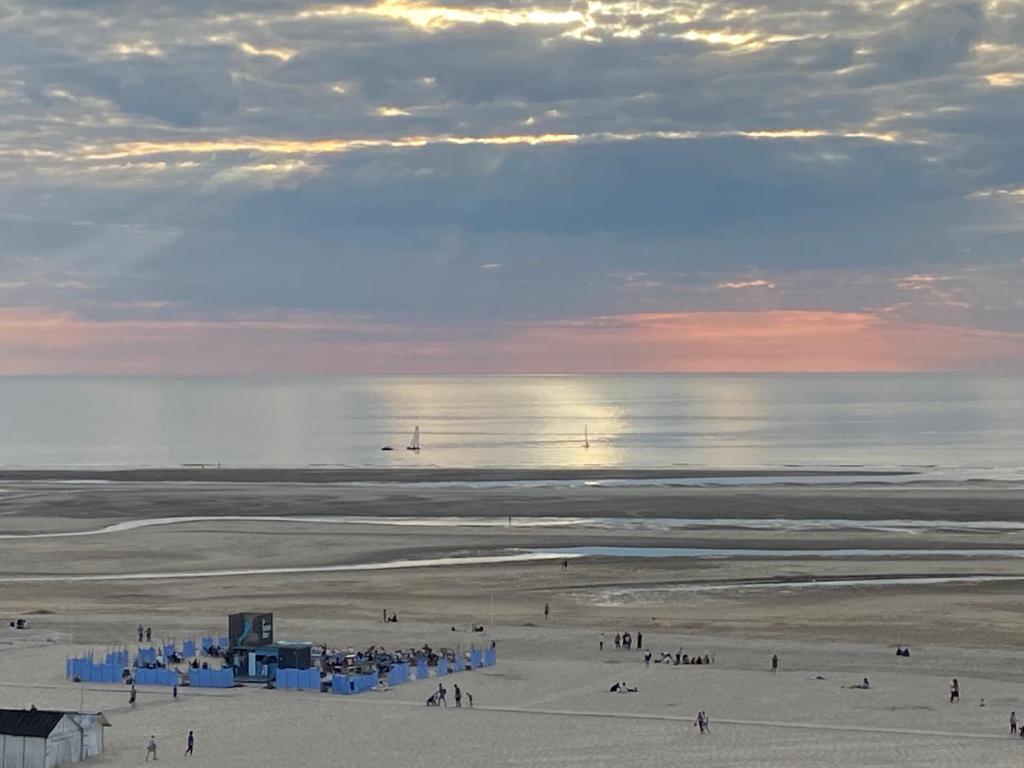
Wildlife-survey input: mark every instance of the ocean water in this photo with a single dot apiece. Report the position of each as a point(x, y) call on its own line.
point(955, 426)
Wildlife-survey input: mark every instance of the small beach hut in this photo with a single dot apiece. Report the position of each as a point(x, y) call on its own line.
point(36, 738)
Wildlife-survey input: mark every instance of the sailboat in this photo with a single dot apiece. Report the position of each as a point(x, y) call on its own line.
point(415, 444)
point(586, 437)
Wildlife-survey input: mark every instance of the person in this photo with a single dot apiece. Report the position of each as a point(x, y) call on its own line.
point(191, 743)
point(149, 634)
point(385, 611)
point(458, 697)
point(174, 692)
point(1013, 723)
point(441, 692)
point(469, 698)
point(547, 610)
point(565, 565)
point(600, 642)
point(954, 691)
point(131, 697)
point(140, 631)
point(775, 663)
point(432, 701)
point(647, 659)
point(151, 748)
point(699, 722)
point(618, 641)
point(639, 641)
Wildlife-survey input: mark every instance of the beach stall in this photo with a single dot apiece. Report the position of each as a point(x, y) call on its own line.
point(36, 738)
point(255, 656)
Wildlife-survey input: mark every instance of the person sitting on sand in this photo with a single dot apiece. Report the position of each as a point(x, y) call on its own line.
point(864, 686)
point(622, 688)
point(432, 701)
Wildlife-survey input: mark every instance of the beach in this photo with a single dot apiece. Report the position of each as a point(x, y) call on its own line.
point(832, 578)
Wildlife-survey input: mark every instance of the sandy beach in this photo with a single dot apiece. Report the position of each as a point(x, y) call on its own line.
point(774, 584)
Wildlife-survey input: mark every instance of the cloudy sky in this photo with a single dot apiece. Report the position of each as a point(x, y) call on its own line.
point(242, 186)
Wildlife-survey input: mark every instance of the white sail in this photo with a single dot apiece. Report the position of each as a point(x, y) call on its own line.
point(415, 444)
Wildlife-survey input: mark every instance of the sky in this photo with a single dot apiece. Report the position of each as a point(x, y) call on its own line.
point(293, 186)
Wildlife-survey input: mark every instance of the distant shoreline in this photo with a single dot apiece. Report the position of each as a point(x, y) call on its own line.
point(211, 474)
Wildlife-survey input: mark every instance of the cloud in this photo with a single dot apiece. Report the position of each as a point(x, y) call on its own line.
point(225, 159)
point(743, 284)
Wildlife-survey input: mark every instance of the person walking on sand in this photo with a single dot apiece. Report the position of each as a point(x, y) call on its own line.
point(458, 697)
point(140, 631)
point(600, 643)
point(131, 696)
point(1013, 723)
point(639, 641)
point(469, 698)
point(190, 744)
point(954, 691)
point(547, 610)
point(441, 692)
point(149, 634)
point(151, 748)
point(701, 722)
point(775, 663)
point(174, 692)
point(618, 641)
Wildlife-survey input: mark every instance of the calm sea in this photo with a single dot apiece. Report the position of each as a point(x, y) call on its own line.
point(960, 426)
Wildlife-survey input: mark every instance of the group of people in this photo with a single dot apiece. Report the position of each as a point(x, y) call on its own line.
point(680, 658)
point(440, 696)
point(379, 659)
point(144, 632)
point(190, 744)
point(623, 641)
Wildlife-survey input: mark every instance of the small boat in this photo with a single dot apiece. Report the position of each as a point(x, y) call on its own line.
point(387, 448)
point(586, 437)
point(415, 444)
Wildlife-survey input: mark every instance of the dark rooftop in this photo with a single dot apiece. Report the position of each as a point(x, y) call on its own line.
point(34, 723)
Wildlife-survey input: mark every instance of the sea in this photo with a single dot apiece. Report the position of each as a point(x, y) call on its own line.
point(941, 426)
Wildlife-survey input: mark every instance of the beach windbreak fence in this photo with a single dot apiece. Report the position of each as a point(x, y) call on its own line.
point(398, 674)
point(350, 684)
point(211, 678)
point(297, 679)
point(87, 669)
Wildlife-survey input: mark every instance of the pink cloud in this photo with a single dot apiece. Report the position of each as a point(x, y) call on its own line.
point(38, 341)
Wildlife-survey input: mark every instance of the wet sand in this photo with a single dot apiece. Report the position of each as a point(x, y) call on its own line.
point(546, 703)
point(308, 529)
